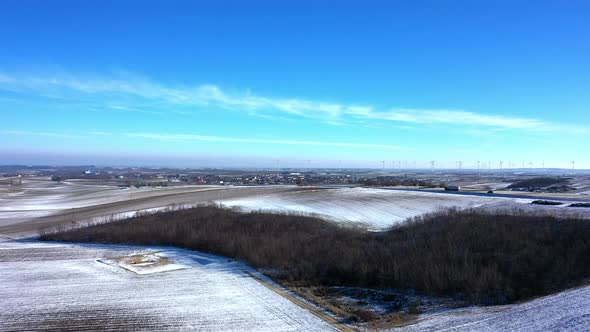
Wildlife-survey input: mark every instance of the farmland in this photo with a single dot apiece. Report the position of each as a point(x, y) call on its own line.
point(39, 202)
point(566, 311)
point(87, 287)
point(372, 208)
point(294, 166)
point(70, 287)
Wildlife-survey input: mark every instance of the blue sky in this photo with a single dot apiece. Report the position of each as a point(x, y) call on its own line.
point(246, 83)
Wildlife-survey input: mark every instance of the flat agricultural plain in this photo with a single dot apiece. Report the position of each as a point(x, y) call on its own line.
point(54, 286)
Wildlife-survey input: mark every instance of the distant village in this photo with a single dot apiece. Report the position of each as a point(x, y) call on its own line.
point(452, 180)
point(139, 177)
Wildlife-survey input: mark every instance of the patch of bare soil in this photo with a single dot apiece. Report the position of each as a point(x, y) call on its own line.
point(144, 260)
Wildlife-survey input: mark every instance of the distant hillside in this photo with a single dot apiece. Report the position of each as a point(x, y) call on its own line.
point(540, 182)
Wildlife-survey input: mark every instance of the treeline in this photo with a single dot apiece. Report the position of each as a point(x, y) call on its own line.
point(486, 258)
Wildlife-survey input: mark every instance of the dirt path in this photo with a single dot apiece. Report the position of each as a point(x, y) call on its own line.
point(315, 311)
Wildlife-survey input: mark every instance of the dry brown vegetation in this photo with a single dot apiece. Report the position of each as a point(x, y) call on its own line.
point(486, 258)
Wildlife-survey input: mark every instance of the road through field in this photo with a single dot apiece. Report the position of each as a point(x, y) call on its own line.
point(330, 319)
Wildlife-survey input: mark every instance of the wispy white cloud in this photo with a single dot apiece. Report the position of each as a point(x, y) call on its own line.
point(36, 133)
point(122, 95)
point(123, 108)
point(452, 117)
point(205, 138)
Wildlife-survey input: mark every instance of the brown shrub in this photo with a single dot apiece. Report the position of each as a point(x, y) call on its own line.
point(488, 258)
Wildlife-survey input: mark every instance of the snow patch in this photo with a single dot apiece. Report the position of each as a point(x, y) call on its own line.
point(374, 208)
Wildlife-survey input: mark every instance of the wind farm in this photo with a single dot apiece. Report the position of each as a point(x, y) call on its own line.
point(294, 165)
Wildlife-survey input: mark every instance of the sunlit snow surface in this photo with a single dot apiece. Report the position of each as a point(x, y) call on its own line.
point(374, 208)
point(45, 286)
point(49, 286)
point(565, 311)
point(62, 286)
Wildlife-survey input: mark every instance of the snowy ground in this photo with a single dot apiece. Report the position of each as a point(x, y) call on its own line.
point(566, 311)
point(39, 202)
point(374, 208)
point(44, 197)
point(45, 286)
point(70, 287)
point(378, 209)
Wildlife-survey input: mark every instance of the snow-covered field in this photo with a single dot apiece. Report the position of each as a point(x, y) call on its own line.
point(40, 202)
point(566, 311)
point(42, 196)
point(49, 286)
point(70, 287)
point(45, 286)
point(373, 208)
